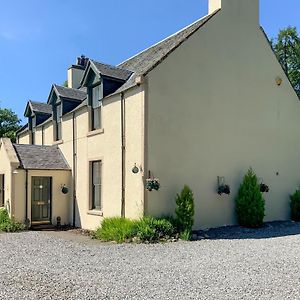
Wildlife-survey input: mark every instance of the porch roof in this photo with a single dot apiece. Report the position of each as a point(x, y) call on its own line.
point(36, 157)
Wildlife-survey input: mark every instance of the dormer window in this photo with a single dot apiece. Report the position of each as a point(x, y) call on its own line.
point(101, 80)
point(95, 95)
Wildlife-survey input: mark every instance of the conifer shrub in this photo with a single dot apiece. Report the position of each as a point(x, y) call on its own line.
point(250, 205)
point(185, 211)
point(295, 206)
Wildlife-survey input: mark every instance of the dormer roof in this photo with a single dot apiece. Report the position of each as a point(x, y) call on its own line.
point(101, 69)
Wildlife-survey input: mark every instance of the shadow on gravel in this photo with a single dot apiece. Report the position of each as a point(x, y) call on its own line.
point(268, 230)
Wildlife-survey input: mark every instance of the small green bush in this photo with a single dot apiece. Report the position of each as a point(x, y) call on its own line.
point(153, 230)
point(249, 204)
point(7, 224)
point(185, 211)
point(147, 229)
point(116, 229)
point(4, 217)
point(295, 206)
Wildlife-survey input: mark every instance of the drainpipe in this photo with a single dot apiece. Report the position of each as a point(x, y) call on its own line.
point(74, 168)
point(123, 154)
point(26, 196)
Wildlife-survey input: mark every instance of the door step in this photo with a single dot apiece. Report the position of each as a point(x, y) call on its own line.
point(43, 227)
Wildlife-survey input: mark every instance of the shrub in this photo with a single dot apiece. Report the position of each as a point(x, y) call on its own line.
point(295, 206)
point(4, 217)
point(7, 224)
point(185, 212)
point(146, 229)
point(153, 230)
point(116, 229)
point(250, 205)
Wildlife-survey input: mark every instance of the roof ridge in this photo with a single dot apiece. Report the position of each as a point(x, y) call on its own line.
point(109, 65)
point(168, 37)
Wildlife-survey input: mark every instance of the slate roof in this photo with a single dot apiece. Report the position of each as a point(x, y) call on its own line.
point(147, 60)
point(23, 128)
point(40, 107)
point(76, 94)
point(111, 71)
point(41, 157)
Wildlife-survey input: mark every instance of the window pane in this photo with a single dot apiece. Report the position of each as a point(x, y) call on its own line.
point(96, 118)
point(58, 112)
point(96, 185)
point(96, 96)
point(58, 131)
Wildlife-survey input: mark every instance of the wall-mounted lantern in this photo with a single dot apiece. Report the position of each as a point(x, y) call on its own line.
point(223, 188)
point(278, 80)
point(135, 169)
point(64, 189)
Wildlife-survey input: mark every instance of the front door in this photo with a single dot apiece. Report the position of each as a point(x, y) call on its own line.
point(2, 189)
point(41, 199)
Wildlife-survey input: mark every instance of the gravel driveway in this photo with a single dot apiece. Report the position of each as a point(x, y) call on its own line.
point(230, 264)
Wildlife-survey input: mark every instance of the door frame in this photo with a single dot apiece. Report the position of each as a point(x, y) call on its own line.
point(50, 206)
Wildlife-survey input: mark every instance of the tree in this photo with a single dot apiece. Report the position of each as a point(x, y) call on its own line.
point(185, 211)
point(287, 49)
point(249, 204)
point(9, 123)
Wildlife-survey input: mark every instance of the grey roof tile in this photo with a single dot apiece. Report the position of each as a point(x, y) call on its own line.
point(112, 71)
point(40, 107)
point(144, 62)
point(76, 94)
point(41, 157)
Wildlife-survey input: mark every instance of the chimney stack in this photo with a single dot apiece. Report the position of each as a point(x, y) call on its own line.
point(75, 72)
point(243, 12)
point(213, 5)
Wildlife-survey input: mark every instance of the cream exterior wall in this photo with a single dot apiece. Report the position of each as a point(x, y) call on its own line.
point(134, 155)
point(24, 138)
point(214, 109)
point(6, 169)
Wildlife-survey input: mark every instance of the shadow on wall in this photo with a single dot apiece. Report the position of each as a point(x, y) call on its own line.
point(268, 230)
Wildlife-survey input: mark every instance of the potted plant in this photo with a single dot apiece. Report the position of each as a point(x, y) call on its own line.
point(152, 184)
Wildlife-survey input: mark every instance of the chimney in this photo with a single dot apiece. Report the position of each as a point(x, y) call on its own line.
point(243, 12)
point(214, 5)
point(75, 72)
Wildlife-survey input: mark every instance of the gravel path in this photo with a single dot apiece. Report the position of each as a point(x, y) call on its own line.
point(231, 264)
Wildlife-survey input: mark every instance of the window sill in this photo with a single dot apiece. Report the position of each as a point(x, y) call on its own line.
point(59, 142)
point(95, 132)
point(95, 213)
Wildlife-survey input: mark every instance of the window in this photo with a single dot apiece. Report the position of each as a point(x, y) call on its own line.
point(58, 114)
point(96, 185)
point(96, 103)
point(32, 128)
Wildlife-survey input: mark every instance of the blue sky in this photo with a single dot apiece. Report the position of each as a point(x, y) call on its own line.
point(40, 39)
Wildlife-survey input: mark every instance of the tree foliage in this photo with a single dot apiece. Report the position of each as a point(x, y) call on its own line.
point(287, 49)
point(185, 211)
point(250, 205)
point(9, 123)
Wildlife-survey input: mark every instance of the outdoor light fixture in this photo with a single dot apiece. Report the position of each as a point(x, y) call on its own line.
point(278, 80)
point(64, 189)
point(135, 169)
point(15, 171)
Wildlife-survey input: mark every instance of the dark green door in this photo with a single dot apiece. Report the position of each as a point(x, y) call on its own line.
point(41, 199)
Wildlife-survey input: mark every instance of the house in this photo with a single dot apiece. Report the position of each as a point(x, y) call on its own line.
point(200, 106)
